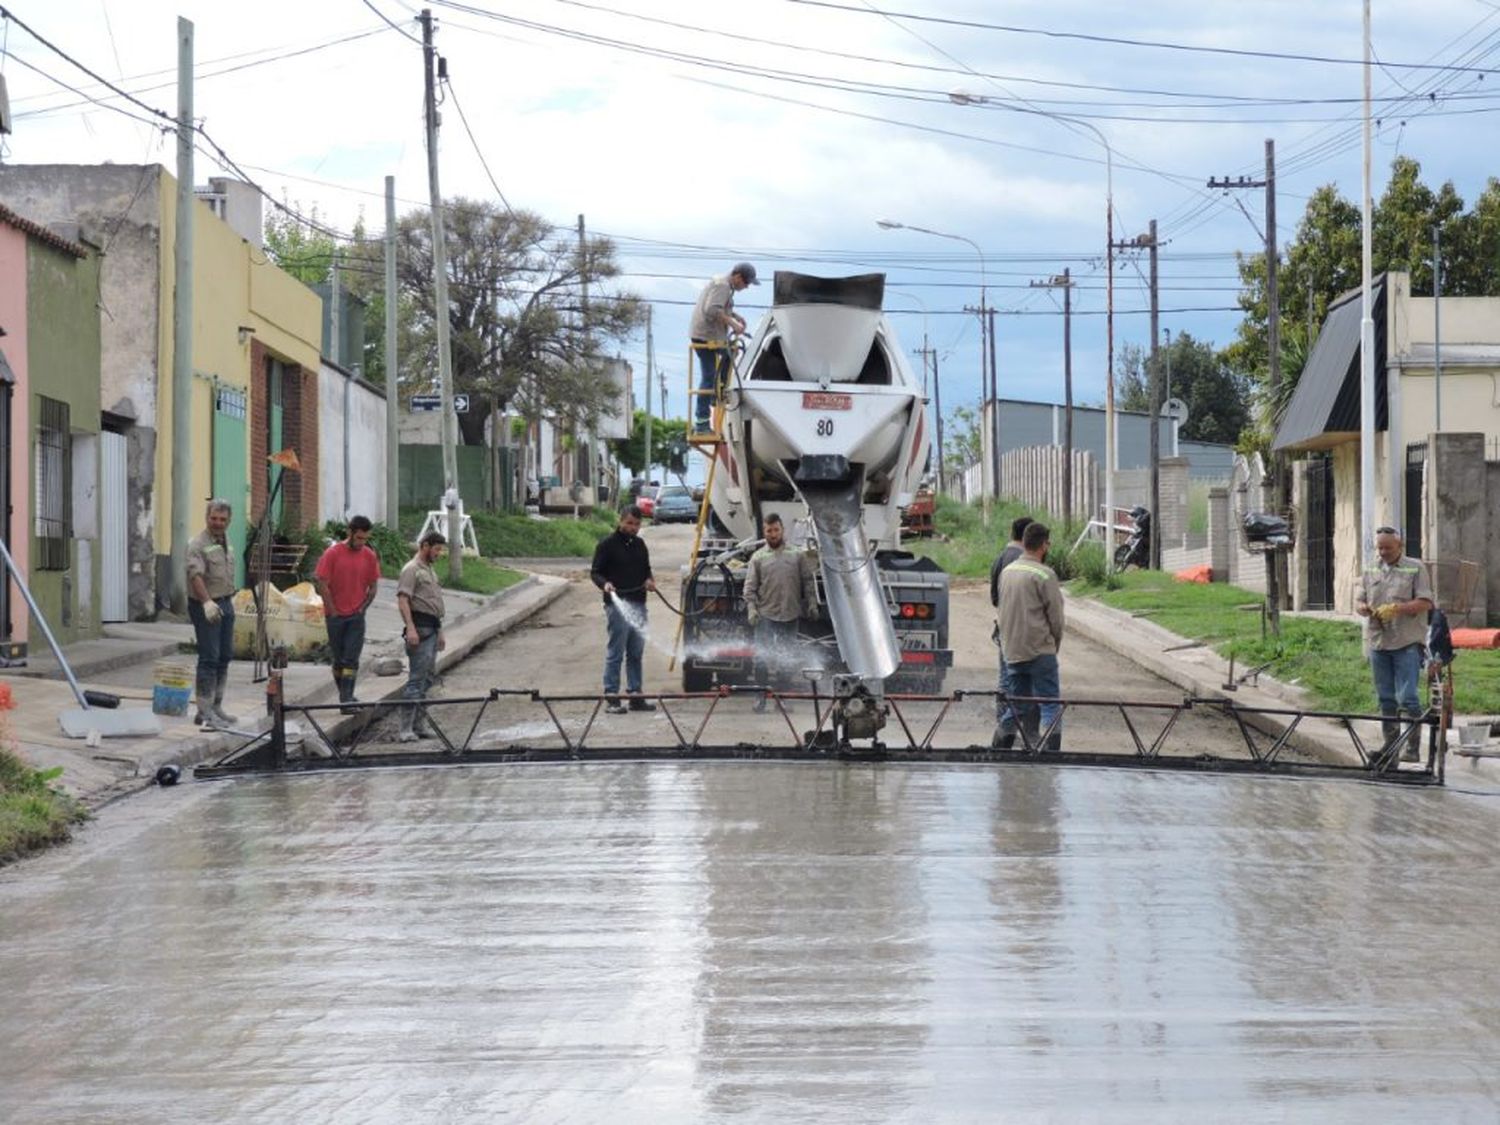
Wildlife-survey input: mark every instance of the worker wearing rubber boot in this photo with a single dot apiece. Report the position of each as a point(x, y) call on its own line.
point(1395, 598)
point(714, 321)
point(419, 598)
point(210, 577)
point(1004, 713)
point(779, 592)
point(1031, 628)
point(347, 576)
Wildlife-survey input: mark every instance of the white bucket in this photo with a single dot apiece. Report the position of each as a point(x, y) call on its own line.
point(1472, 736)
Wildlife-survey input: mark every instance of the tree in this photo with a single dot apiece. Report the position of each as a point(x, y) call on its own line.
point(631, 451)
point(1132, 388)
point(963, 439)
point(522, 331)
point(1216, 393)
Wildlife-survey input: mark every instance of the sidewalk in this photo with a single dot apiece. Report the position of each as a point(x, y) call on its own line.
point(1201, 672)
point(123, 662)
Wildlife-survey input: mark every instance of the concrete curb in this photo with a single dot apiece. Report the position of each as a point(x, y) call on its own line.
point(1203, 674)
point(503, 612)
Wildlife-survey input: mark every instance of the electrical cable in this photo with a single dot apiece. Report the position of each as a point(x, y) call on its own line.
point(1110, 40)
point(391, 23)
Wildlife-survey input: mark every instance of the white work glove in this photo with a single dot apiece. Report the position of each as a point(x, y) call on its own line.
point(752, 614)
point(211, 612)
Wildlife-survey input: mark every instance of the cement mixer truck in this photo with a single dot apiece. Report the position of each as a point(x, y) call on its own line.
point(824, 424)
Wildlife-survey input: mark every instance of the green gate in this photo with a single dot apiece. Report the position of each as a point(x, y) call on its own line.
point(230, 479)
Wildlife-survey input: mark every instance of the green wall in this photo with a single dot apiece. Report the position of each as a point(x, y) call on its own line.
point(62, 322)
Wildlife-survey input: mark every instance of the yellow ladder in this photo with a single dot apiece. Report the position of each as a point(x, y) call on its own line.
point(707, 444)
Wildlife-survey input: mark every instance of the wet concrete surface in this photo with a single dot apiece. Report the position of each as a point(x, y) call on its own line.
point(691, 942)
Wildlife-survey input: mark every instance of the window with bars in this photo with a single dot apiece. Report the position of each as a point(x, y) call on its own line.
point(54, 484)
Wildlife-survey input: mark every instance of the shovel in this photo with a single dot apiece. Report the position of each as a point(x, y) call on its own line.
point(96, 710)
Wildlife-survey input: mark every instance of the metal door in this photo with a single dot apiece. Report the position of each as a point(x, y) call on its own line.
point(230, 479)
point(1416, 470)
point(1318, 548)
point(114, 527)
point(275, 388)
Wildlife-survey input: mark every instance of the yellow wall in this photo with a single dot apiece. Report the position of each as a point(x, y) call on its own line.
point(234, 285)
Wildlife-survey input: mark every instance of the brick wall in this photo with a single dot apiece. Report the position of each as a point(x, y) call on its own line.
point(299, 430)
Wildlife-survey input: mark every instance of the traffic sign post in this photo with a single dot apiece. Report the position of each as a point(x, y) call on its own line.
point(432, 403)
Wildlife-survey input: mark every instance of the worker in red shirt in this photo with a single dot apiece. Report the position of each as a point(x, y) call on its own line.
point(347, 577)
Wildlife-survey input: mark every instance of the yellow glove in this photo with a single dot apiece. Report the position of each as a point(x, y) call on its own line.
point(1384, 613)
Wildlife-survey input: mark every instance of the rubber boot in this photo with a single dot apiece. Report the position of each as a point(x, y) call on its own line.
point(225, 718)
point(1387, 751)
point(1411, 746)
point(203, 700)
point(1054, 741)
point(346, 691)
point(408, 729)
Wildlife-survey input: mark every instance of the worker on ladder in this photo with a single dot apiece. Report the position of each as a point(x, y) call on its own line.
point(714, 321)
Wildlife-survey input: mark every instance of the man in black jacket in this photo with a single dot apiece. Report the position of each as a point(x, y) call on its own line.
point(622, 569)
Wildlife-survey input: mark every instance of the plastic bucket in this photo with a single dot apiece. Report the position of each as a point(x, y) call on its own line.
point(171, 687)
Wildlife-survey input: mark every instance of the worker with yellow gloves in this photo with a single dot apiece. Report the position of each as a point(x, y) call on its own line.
point(1395, 597)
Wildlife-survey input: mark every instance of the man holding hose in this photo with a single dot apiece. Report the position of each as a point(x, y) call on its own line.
point(622, 570)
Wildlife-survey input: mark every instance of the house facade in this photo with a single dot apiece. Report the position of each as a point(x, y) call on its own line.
point(54, 523)
point(1322, 427)
point(255, 334)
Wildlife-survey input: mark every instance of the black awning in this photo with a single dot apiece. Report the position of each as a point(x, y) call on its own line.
point(1327, 399)
point(865, 291)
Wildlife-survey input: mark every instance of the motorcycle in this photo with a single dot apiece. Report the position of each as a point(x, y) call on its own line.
point(1136, 551)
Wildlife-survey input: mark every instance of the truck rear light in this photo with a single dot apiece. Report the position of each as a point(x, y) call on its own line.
point(924, 611)
point(917, 656)
point(908, 610)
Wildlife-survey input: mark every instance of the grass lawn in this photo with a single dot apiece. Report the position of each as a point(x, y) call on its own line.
point(966, 547)
point(32, 813)
point(1323, 657)
point(510, 536)
point(481, 576)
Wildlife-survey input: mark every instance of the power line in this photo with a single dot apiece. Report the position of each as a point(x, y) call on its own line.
point(483, 163)
point(1111, 40)
point(391, 23)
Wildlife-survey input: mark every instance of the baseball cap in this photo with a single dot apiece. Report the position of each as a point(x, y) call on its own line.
point(747, 271)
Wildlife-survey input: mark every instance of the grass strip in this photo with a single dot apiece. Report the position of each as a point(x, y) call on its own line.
point(33, 814)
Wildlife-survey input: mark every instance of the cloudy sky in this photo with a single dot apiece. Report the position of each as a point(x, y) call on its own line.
point(780, 131)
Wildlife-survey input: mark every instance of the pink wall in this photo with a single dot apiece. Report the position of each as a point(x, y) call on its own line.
point(13, 318)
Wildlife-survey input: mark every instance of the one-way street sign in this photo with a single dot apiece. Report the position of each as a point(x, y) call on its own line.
point(421, 403)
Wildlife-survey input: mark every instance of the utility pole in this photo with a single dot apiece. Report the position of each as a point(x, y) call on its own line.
point(1437, 330)
point(650, 367)
point(994, 409)
point(1153, 404)
point(392, 379)
point(986, 475)
point(590, 474)
point(664, 414)
point(937, 402)
point(924, 351)
point(1277, 573)
point(1064, 281)
point(440, 295)
point(182, 324)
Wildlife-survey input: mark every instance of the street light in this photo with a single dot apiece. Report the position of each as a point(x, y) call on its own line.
point(990, 469)
point(963, 97)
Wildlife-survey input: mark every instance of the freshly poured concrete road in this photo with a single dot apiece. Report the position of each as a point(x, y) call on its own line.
point(681, 942)
point(692, 942)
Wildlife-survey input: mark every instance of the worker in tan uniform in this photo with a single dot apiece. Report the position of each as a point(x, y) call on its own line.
point(1030, 618)
point(210, 578)
point(713, 322)
point(1395, 597)
point(779, 592)
point(419, 599)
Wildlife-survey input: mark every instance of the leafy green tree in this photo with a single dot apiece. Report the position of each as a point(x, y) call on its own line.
point(1322, 262)
point(963, 439)
point(631, 451)
point(1216, 393)
point(530, 311)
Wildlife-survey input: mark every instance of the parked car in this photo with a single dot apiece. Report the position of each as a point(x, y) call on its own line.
point(675, 504)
